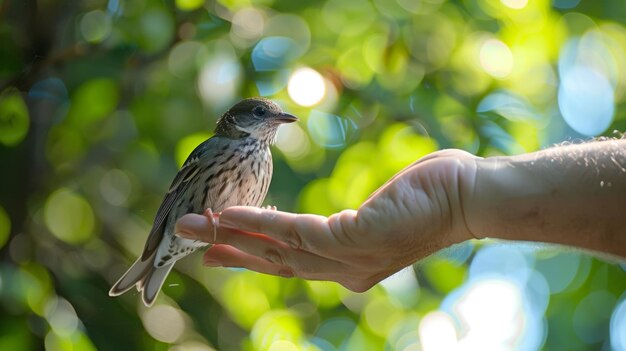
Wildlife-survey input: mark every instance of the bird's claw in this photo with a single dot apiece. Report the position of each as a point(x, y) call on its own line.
point(269, 207)
point(215, 222)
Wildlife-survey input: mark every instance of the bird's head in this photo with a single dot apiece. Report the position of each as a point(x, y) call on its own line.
point(257, 118)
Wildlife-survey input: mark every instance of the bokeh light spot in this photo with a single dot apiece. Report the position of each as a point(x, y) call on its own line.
point(164, 323)
point(335, 329)
point(93, 100)
point(340, 16)
point(380, 315)
point(324, 294)
point(69, 216)
point(491, 311)
point(496, 58)
point(14, 119)
point(402, 287)
point(515, 4)
point(273, 83)
point(61, 316)
point(618, 327)
point(293, 141)
point(115, 187)
point(114, 7)
point(283, 345)
point(444, 274)
point(275, 326)
point(219, 79)
point(591, 317)
point(401, 145)
point(5, 227)
point(505, 260)
point(274, 53)
point(188, 5)
point(191, 345)
point(248, 23)
point(245, 301)
point(49, 89)
point(508, 105)
point(560, 270)
point(565, 4)
point(186, 145)
point(306, 87)
point(182, 58)
point(311, 201)
point(156, 29)
point(437, 332)
point(586, 100)
point(329, 130)
point(95, 26)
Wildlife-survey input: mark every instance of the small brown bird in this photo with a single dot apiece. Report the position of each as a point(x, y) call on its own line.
point(233, 167)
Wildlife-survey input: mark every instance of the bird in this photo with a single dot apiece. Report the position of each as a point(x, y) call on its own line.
point(233, 167)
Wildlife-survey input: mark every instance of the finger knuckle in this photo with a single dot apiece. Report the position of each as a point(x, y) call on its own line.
point(293, 237)
point(275, 256)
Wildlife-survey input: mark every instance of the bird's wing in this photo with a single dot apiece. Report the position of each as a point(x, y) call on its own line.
point(206, 150)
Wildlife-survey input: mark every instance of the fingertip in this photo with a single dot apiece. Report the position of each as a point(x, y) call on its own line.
point(194, 226)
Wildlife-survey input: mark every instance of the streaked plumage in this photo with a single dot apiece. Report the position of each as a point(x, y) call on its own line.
point(234, 167)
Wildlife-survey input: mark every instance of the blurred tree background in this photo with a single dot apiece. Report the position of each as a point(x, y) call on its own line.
point(102, 100)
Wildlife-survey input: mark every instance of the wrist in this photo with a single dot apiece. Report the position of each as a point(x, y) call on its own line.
point(460, 187)
point(559, 195)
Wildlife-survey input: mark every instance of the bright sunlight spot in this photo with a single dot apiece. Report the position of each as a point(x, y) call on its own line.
point(492, 312)
point(283, 345)
point(293, 141)
point(586, 95)
point(306, 87)
point(219, 79)
point(437, 332)
point(515, 4)
point(496, 58)
point(618, 325)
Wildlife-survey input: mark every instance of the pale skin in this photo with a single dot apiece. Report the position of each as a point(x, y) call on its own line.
point(572, 195)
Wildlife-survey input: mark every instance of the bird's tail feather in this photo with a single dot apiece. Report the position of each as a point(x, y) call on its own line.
point(151, 285)
point(147, 278)
point(134, 275)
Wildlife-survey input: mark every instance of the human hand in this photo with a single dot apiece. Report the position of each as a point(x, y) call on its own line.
point(416, 213)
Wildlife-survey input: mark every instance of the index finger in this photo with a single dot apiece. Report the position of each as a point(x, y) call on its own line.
point(299, 231)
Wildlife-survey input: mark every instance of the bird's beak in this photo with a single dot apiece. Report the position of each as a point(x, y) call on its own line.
point(285, 117)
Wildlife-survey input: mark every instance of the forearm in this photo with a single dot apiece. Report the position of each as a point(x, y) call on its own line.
point(572, 195)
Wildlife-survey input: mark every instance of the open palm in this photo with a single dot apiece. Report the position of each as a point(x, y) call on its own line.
point(414, 214)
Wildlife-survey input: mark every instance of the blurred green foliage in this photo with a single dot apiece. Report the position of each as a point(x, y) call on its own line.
point(102, 100)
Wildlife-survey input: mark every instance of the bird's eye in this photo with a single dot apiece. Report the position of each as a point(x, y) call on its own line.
point(259, 111)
